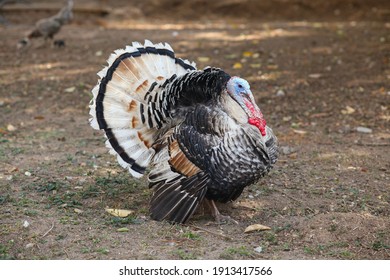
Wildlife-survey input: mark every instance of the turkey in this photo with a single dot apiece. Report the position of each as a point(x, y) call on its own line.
point(48, 27)
point(198, 133)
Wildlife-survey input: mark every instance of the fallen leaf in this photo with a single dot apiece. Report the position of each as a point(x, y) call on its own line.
point(272, 67)
point(348, 110)
point(122, 213)
point(3, 131)
point(256, 227)
point(11, 128)
point(122, 229)
point(315, 76)
point(255, 65)
point(78, 211)
point(247, 54)
point(385, 117)
point(70, 89)
point(203, 58)
point(39, 117)
point(237, 65)
point(299, 131)
point(231, 56)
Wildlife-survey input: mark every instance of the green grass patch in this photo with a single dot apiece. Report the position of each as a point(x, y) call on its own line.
point(185, 254)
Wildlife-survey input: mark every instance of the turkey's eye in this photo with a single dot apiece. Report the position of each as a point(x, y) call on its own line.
point(240, 86)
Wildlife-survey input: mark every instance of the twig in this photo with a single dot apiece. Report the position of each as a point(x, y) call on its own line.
point(291, 197)
point(372, 144)
point(211, 232)
point(47, 232)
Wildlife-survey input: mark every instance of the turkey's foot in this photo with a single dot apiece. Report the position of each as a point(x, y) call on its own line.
point(59, 43)
point(219, 218)
point(222, 219)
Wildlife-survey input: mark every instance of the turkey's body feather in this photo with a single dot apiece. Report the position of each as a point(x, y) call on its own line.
point(159, 111)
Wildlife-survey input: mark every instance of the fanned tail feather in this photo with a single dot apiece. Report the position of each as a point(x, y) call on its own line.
point(122, 106)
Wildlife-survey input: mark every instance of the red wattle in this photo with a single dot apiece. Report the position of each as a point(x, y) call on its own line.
point(257, 118)
point(259, 123)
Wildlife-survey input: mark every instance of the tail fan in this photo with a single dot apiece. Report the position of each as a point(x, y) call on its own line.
point(121, 104)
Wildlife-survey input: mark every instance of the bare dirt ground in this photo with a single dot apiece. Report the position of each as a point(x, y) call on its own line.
point(321, 77)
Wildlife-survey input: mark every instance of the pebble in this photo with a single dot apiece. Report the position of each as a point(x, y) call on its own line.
point(363, 129)
point(280, 93)
point(26, 224)
point(259, 249)
point(29, 245)
point(287, 150)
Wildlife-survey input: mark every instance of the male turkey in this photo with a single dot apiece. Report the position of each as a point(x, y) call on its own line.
point(200, 131)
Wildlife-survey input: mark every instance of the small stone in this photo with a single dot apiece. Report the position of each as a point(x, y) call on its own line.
point(11, 128)
point(29, 245)
point(287, 150)
point(27, 173)
point(363, 129)
point(280, 93)
point(258, 249)
point(26, 224)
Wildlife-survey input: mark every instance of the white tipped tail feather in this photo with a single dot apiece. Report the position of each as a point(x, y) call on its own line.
point(125, 97)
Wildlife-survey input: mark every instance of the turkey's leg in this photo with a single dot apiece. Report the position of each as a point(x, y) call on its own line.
point(219, 218)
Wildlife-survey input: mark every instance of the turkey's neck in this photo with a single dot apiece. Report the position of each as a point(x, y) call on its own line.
point(233, 109)
point(236, 112)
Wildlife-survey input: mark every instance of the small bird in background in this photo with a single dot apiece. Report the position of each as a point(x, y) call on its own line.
point(48, 27)
point(200, 131)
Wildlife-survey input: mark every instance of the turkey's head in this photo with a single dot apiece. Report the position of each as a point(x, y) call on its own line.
point(239, 90)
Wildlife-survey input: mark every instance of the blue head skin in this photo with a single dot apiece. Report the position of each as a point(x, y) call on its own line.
point(239, 90)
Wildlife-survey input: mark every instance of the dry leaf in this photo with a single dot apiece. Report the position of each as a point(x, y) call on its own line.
point(70, 89)
point(272, 67)
point(247, 54)
point(256, 227)
point(315, 76)
point(237, 65)
point(255, 65)
point(231, 56)
point(78, 211)
point(203, 58)
point(298, 131)
point(348, 110)
point(11, 128)
point(122, 213)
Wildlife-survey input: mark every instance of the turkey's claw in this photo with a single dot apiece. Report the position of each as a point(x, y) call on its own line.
point(222, 219)
point(219, 218)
